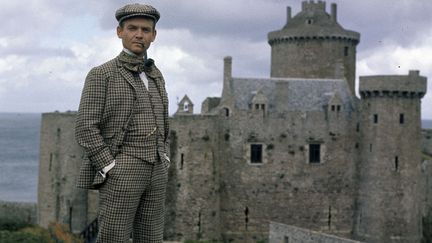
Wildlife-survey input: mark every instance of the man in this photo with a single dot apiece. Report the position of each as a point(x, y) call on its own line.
point(122, 125)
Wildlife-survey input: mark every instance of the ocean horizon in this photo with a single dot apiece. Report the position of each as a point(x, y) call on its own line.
point(19, 156)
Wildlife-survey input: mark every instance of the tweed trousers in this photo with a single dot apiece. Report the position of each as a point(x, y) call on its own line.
point(132, 201)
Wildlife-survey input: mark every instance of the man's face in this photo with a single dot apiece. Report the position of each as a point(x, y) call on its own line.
point(137, 34)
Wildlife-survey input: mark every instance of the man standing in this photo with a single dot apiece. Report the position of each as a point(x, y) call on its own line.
point(122, 125)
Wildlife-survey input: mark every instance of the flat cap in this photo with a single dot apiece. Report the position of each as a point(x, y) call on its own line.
point(136, 10)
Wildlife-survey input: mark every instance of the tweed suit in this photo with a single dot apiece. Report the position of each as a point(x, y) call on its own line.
point(107, 100)
point(112, 108)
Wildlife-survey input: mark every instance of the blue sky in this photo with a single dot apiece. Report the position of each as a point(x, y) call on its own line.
point(47, 47)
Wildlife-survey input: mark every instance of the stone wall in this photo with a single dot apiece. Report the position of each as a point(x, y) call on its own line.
point(60, 158)
point(17, 212)
point(193, 189)
point(427, 143)
point(281, 233)
point(389, 205)
point(323, 59)
point(285, 186)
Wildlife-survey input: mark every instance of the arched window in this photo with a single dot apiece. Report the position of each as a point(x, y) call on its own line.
point(186, 106)
point(225, 112)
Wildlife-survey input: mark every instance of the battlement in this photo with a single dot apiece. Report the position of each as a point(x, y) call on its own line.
point(312, 6)
point(411, 85)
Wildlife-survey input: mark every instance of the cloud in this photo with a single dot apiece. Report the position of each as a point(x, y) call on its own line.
point(392, 58)
point(47, 49)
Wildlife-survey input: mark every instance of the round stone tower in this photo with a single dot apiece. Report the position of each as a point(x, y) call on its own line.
point(312, 44)
point(390, 193)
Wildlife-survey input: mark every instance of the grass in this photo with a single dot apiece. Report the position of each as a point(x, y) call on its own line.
point(18, 232)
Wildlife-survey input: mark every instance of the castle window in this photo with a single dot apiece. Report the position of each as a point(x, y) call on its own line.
point(401, 119)
point(186, 106)
point(375, 118)
point(262, 107)
point(314, 153)
point(286, 239)
point(246, 212)
point(257, 106)
point(256, 153)
point(181, 161)
point(346, 51)
point(358, 127)
point(226, 111)
point(396, 163)
point(309, 21)
point(333, 107)
point(338, 107)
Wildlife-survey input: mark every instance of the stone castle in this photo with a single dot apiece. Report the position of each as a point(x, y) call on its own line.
point(297, 148)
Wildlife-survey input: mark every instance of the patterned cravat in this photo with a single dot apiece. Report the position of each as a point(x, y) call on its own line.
point(135, 63)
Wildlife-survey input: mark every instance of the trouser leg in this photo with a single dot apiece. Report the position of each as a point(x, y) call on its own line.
point(149, 219)
point(120, 197)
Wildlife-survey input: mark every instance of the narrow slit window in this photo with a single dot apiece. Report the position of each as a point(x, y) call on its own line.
point(375, 118)
point(396, 163)
point(401, 119)
point(346, 51)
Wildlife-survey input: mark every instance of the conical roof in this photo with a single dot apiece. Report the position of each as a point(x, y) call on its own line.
point(313, 22)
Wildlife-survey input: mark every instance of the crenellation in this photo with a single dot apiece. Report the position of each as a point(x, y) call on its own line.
point(412, 82)
point(313, 6)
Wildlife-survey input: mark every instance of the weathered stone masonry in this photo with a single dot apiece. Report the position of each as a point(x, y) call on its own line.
point(297, 148)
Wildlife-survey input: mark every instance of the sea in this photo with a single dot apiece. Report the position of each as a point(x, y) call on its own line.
point(19, 155)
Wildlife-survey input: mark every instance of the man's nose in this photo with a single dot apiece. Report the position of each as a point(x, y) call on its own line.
point(139, 34)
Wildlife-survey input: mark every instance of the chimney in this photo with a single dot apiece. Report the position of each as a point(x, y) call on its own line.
point(227, 68)
point(334, 12)
point(227, 76)
point(288, 14)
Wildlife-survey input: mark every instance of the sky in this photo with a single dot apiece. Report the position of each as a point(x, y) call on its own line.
point(47, 47)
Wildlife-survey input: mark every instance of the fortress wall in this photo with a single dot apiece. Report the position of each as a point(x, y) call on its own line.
point(195, 184)
point(286, 187)
point(317, 58)
point(391, 191)
point(60, 158)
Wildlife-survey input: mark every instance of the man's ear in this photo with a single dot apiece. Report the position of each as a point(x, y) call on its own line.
point(154, 35)
point(119, 31)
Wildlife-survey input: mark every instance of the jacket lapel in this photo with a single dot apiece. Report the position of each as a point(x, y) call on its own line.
point(127, 75)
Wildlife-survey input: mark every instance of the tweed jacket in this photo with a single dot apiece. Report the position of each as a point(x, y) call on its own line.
point(107, 102)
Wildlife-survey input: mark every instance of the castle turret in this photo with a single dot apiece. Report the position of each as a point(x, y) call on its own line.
point(312, 44)
point(388, 205)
